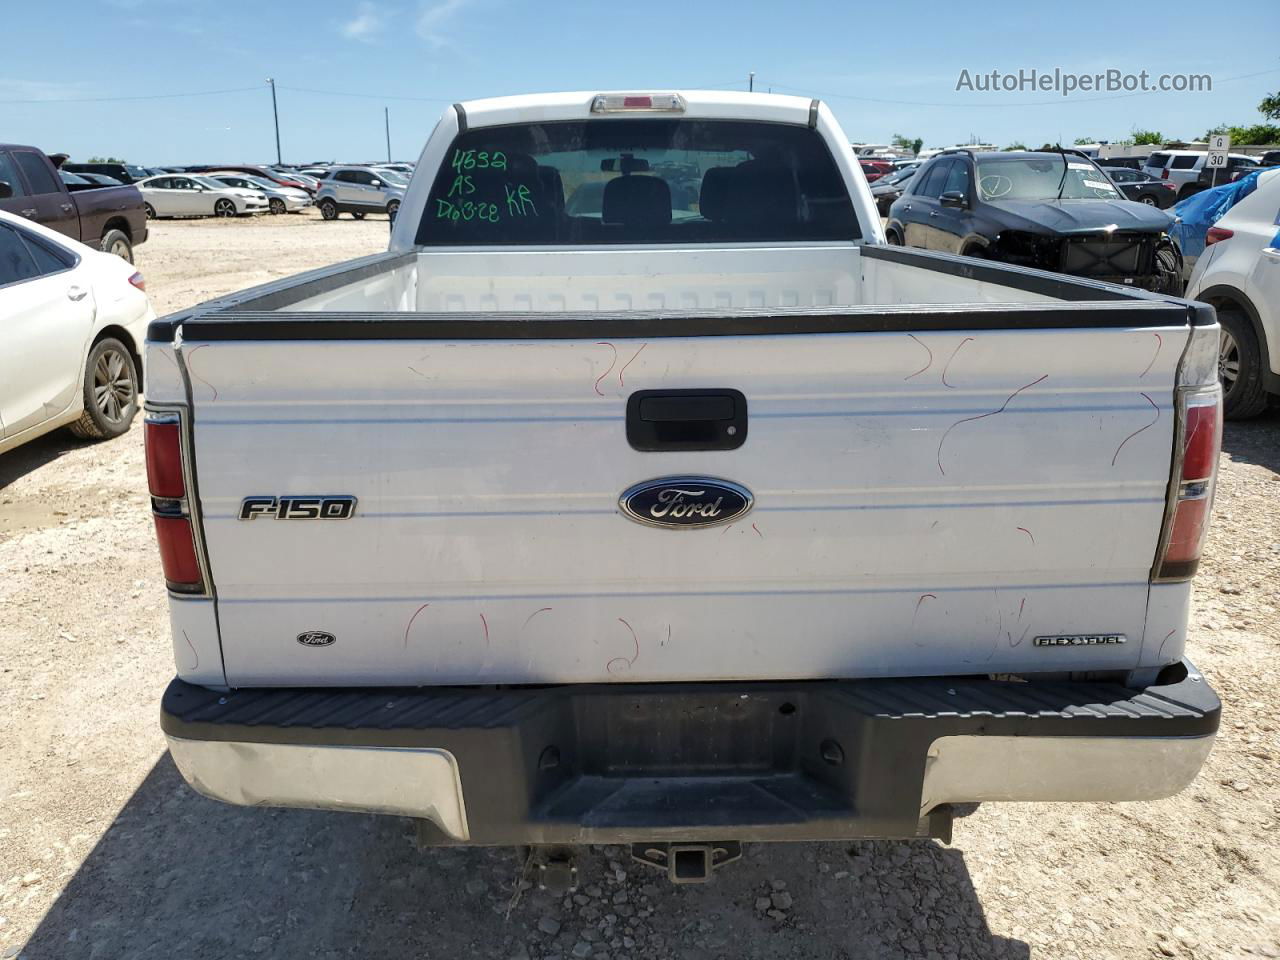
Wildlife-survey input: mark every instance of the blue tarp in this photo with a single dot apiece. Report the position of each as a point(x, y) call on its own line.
point(1195, 215)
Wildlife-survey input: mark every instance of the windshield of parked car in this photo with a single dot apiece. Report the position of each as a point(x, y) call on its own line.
point(211, 183)
point(1038, 178)
point(637, 180)
point(392, 176)
point(262, 183)
point(898, 176)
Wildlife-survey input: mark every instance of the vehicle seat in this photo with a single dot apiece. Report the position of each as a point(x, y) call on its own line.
point(637, 201)
point(761, 193)
point(713, 196)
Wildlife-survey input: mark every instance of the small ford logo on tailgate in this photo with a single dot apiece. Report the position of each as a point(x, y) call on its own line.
point(685, 502)
point(316, 638)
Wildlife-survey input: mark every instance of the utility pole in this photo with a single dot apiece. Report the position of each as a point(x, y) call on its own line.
point(276, 114)
point(386, 118)
point(751, 80)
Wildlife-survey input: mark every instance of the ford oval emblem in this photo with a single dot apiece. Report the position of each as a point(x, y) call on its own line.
point(316, 638)
point(685, 502)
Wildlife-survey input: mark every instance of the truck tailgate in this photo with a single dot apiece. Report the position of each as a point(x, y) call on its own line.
point(926, 501)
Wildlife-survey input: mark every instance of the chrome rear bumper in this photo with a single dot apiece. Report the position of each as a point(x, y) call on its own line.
point(727, 761)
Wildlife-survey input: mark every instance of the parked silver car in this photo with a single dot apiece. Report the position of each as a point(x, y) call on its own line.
point(360, 191)
point(279, 199)
point(175, 195)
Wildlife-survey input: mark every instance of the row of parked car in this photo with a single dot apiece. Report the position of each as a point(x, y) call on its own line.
point(231, 190)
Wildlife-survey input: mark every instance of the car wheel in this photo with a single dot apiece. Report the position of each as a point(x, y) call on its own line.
point(358, 214)
point(328, 209)
point(110, 392)
point(277, 206)
point(1149, 200)
point(115, 241)
point(894, 238)
point(393, 208)
point(150, 211)
point(1240, 367)
point(224, 208)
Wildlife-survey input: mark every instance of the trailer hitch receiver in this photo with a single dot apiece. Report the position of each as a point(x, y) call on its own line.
point(687, 862)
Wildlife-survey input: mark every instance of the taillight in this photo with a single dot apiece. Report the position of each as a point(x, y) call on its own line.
point(138, 281)
point(1195, 467)
point(1164, 174)
point(1217, 233)
point(170, 508)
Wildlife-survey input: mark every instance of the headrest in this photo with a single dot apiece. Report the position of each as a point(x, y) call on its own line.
point(713, 198)
point(637, 201)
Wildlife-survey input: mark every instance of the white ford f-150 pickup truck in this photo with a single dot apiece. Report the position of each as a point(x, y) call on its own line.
point(640, 493)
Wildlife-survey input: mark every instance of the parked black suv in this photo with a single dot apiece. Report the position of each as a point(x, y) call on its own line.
point(1053, 211)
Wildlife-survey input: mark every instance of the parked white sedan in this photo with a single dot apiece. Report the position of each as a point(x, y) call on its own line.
point(188, 195)
point(74, 323)
point(1239, 273)
point(279, 199)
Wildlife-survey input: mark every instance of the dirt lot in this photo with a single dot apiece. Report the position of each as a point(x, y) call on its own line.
point(105, 853)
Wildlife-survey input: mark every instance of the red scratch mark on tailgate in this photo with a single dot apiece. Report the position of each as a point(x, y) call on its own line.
point(949, 359)
point(983, 416)
point(196, 665)
point(485, 623)
point(191, 367)
point(612, 364)
point(409, 626)
point(927, 350)
point(1159, 345)
point(534, 614)
point(1167, 637)
point(1139, 430)
point(621, 382)
point(757, 530)
point(624, 660)
point(1029, 534)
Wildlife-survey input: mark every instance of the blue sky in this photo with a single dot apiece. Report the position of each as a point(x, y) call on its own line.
point(440, 51)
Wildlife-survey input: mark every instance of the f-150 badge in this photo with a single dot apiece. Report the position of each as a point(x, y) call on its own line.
point(685, 502)
point(298, 508)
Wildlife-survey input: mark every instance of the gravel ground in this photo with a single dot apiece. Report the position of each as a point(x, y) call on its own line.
point(105, 853)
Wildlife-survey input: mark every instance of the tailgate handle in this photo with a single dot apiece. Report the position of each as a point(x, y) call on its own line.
point(660, 420)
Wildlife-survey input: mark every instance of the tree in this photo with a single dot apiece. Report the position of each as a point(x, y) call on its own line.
point(1084, 141)
point(1147, 137)
point(1270, 106)
point(1016, 145)
point(1255, 135)
point(106, 160)
point(907, 143)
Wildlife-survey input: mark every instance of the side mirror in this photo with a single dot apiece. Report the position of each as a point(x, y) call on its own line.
point(376, 183)
point(6, 191)
point(954, 198)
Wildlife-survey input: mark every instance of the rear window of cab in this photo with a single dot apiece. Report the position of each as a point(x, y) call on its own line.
point(637, 180)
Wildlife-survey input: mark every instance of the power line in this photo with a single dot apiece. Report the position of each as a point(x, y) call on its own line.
point(153, 96)
point(281, 86)
point(1006, 103)
point(364, 96)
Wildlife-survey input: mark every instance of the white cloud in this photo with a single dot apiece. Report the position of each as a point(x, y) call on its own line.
point(434, 17)
point(368, 21)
